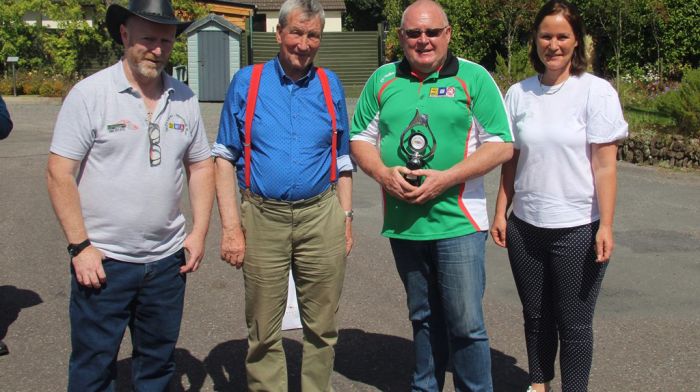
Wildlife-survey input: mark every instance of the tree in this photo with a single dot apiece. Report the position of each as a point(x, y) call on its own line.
point(632, 35)
point(73, 45)
point(680, 34)
point(393, 9)
point(473, 35)
point(363, 15)
point(17, 38)
point(514, 20)
point(616, 29)
point(185, 10)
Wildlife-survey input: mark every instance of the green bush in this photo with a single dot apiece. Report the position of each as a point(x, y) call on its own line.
point(52, 88)
point(520, 68)
point(43, 83)
point(6, 87)
point(683, 104)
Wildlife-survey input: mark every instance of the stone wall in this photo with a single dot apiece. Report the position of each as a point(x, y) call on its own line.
point(673, 151)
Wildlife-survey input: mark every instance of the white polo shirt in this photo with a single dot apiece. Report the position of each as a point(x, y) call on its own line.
point(131, 208)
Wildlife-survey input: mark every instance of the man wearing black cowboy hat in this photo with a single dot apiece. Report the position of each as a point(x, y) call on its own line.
point(134, 136)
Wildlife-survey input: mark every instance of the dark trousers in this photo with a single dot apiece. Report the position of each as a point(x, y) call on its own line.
point(558, 281)
point(146, 297)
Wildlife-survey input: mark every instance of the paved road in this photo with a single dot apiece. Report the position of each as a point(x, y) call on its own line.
point(647, 325)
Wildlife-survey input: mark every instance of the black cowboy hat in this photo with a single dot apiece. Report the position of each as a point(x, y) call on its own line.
point(157, 11)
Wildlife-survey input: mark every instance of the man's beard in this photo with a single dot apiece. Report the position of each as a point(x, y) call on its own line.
point(145, 68)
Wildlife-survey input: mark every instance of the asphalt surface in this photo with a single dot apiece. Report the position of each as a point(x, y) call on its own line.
point(647, 321)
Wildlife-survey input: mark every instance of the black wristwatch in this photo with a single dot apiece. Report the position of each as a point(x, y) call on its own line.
point(75, 249)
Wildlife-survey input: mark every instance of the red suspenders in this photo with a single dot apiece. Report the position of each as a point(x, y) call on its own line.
point(331, 111)
point(250, 111)
point(249, 115)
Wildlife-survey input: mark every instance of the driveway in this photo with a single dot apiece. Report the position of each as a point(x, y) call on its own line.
point(647, 324)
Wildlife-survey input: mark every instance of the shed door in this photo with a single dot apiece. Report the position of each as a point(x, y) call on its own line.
point(213, 65)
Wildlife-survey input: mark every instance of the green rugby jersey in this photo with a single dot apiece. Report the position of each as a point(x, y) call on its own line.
point(465, 109)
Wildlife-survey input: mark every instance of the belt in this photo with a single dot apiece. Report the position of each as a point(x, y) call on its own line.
point(246, 194)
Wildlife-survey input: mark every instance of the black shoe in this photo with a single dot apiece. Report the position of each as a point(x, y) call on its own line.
point(3, 348)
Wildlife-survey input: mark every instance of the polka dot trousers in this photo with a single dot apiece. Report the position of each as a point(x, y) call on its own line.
point(558, 282)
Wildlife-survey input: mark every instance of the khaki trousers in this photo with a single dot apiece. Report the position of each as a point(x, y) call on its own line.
point(309, 236)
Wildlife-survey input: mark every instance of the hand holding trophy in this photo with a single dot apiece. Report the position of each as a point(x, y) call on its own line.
point(417, 151)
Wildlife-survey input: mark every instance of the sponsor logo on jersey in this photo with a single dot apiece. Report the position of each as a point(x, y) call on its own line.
point(437, 92)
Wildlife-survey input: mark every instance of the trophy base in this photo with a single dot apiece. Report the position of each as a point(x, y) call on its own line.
point(413, 180)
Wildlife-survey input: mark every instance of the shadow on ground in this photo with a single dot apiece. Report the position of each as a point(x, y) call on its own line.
point(383, 362)
point(12, 301)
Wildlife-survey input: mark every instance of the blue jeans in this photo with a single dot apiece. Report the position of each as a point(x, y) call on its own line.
point(146, 297)
point(445, 281)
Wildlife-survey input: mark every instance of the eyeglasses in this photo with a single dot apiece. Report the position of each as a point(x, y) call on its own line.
point(154, 138)
point(430, 33)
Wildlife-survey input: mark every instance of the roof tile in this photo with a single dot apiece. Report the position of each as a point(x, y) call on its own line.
point(274, 5)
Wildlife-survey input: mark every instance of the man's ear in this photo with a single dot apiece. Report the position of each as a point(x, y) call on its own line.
point(278, 32)
point(123, 32)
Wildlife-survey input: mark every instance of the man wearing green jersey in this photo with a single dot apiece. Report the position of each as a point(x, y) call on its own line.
point(437, 227)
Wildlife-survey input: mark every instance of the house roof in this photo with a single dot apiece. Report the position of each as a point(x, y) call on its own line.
point(242, 4)
point(274, 5)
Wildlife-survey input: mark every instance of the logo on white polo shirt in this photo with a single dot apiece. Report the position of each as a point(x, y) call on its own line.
point(177, 123)
point(121, 125)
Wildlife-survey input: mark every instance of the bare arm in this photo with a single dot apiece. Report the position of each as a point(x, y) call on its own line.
point(232, 236)
point(389, 178)
point(504, 199)
point(483, 160)
point(63, 192)
point(200, 182)
point(345, 197)
point(604, 165)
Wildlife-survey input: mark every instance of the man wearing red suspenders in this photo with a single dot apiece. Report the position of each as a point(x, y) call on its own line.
point(283, 139)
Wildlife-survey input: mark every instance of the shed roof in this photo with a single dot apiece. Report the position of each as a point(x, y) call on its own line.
point(274, 5)
point(220, 20)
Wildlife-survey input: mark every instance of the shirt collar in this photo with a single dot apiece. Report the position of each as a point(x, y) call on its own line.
point(284, 79)
point(122, 83)
point(448, 69)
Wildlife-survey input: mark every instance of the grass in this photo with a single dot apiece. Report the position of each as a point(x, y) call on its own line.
point(645, 117)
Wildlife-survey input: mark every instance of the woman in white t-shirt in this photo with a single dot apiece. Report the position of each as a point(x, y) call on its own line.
point(561, 183)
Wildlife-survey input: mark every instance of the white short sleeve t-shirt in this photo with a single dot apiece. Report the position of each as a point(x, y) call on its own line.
point(131, 207)
point(554, 128)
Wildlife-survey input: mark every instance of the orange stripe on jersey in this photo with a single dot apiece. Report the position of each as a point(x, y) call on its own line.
point(381, 90)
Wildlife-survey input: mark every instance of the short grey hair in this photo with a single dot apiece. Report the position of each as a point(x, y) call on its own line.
point(309, 8)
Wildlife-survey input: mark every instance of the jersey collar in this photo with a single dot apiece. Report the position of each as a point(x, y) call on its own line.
point(448, 69)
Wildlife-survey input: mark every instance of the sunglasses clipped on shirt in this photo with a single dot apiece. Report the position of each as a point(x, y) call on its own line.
point(154, 138)
point(430, 33)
